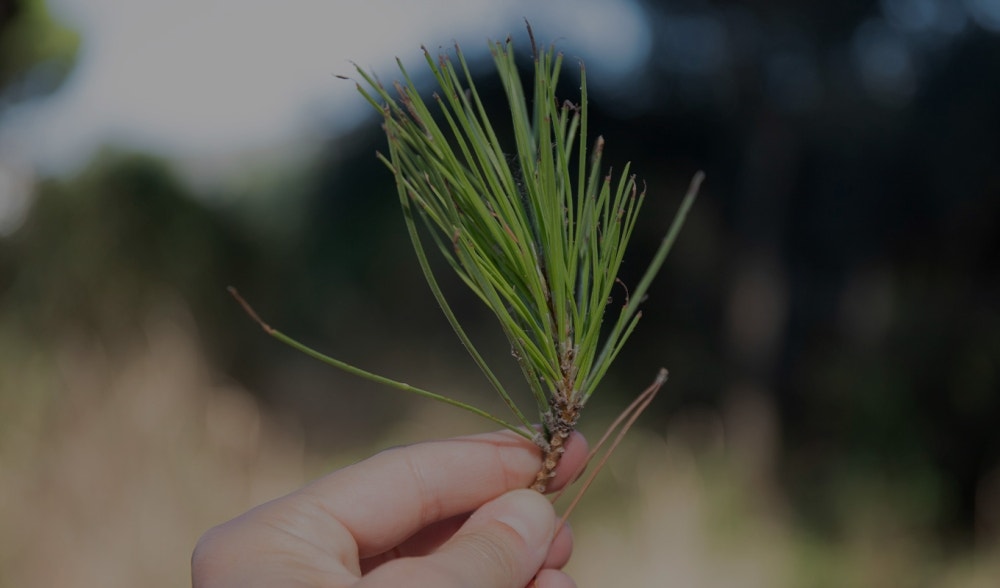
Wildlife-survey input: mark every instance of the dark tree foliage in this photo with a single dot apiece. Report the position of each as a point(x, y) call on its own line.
point(36, 52)
point(843, 258)
point(842, 262)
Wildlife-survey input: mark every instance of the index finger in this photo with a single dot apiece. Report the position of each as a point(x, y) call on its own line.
point(388, 497)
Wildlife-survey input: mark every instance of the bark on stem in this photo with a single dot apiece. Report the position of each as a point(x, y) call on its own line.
point(560, 422)
point(550, 459)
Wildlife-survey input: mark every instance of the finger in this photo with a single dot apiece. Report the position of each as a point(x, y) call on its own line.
point(552, 579)
point(572, 463)
point(263, 547)
point(561, 549)
point(431, 537)
point(386, 499)
point(423, 542)
point(502, 545)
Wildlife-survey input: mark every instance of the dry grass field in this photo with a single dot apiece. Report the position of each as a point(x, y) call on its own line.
point(112, 464)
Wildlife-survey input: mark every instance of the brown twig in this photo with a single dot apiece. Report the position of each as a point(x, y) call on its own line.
point(560, 420)
point(250, 311)
point(629, 416)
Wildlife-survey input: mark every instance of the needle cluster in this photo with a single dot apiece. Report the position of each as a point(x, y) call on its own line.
point(539, 236)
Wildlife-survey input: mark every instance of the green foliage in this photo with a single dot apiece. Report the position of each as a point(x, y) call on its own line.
point(31, 40)
point(98, 251)
point(539, 239)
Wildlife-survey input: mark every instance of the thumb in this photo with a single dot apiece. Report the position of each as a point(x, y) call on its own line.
point(502, 545)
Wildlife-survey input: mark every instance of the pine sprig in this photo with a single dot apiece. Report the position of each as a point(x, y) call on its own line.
point(540, 248)
point(538, 235)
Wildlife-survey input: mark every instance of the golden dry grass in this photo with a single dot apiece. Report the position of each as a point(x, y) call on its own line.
point(112, 480)
point(112, 464)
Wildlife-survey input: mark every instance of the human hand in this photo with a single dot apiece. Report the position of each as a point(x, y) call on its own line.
point(402, 518)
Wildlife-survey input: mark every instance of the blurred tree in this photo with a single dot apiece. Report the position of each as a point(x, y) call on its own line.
point(842, 260)
point(101, 251)
point(36, 51)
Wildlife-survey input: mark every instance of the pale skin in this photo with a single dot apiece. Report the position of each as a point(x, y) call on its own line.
point(448, 514)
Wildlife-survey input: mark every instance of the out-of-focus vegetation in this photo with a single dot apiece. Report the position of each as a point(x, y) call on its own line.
point(830, 317)
point(36, 51)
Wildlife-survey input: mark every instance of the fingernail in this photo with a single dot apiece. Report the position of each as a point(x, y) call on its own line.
point(529, 514)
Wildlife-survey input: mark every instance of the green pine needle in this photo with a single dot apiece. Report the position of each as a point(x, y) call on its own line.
point(540, 245)
point(539, 237)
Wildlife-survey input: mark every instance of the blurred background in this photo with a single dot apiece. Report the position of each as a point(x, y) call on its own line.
point(830, 316)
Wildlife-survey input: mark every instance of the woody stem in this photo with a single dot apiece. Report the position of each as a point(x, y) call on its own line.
point(560, 421)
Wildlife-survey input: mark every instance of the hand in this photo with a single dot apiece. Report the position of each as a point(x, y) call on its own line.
point(402, 518)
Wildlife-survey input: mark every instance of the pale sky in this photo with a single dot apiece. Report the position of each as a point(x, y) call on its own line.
point(197, 79)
